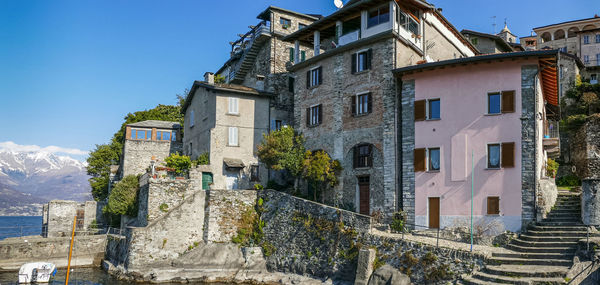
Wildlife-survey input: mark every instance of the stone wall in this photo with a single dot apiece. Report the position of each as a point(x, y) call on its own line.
point(58, 216)
point(137, 154)
point(585, 149)
point(224, 211)
point(158, 196)
point(87, 250)
point(590, 202)
point(528, 143)
point(547, 192)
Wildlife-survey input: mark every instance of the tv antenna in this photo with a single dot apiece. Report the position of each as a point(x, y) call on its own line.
point(338, 3)
point(494, 25)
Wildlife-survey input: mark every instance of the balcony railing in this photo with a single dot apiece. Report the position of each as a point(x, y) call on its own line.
point(246, 39)
point(349, 37)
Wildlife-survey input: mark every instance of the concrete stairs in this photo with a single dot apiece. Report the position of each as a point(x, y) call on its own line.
point(543, 254)
point(261, 35)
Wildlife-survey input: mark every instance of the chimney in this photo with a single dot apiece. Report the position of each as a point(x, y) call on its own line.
point(209, 78)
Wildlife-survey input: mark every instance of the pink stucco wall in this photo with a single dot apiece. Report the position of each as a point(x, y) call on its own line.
point(464, 128)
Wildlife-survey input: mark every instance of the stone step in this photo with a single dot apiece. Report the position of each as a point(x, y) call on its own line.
point(517, 280)
point(525, 261)
point(561, 220)
point(525, 243)
point(564, 249)
point(564, 214)
point(529, 271)
point(557, 233)
point(530, 255)
point(557, 228)
point(551, 223)
point(549, 238)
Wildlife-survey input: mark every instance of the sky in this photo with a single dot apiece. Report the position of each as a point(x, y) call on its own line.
point(71, 70)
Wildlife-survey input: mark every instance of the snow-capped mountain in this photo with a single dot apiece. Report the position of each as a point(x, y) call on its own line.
point(43, 176)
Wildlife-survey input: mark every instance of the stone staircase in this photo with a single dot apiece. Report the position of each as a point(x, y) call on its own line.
point(260, 34)
point(543, 254)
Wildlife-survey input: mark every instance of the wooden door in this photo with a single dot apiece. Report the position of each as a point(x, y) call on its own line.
point(434, 212)
point(364, 195)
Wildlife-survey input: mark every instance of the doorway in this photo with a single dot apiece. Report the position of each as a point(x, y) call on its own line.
point(364, 195)
point(434, 212)
point(231, 180)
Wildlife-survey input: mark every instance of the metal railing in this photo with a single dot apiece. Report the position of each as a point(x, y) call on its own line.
point(27, 231)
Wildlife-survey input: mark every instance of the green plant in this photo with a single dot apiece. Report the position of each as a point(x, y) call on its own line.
point(219, 79)
point(398, 219)
point(377, 262)
point(164, 207)
point(181, 163)
point(428, 259)
point(164, 242)
point(551, 167)
point(203, 159)
point(123, 197)
point(568, 181)
point(94, 224)
point(258, 186)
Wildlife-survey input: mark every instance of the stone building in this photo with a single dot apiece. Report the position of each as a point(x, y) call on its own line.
point(487, 43)
point(501, 139)
point(147, 142)
point(227, 122)
point(58, 217)
point(529, 43)
point(345, 99)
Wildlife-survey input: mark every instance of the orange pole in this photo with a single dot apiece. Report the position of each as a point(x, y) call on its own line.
point(71, 251)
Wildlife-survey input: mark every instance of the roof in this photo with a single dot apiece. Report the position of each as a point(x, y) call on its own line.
point(226, 88)
point(156, 124)
point(567, 22)
point(233, 162)
point(496, 38)
point(264, 15)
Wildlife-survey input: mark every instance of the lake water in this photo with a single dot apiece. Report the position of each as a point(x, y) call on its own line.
point(17, 226)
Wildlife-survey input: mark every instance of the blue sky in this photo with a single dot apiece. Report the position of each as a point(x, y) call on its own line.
point(71, 70)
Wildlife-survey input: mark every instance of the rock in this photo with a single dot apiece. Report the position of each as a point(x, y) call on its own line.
point(388, 275)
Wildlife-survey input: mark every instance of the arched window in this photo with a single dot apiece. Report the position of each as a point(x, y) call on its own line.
point(363, 156)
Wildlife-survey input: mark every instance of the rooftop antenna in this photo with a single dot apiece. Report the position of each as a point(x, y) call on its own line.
point(338, 3)
point(494, 25)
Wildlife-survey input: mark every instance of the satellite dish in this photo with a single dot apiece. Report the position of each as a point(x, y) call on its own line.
point(338, 3)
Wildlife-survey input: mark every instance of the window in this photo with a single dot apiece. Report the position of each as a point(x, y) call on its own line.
point(285, 23)
point(361, 104)
point(163, 136)
point(314, 77)
point(363, 156)
point(598, 59)
point(233, 136)
point(586, 59)
point(314, 115)
point(291, 81)
point(361, 61)
point(141, 134)
point(501, 155)
point(434, 109)
point(493, 205)
point(233, 105)
point(597, 38)
point(593, 79)
point(302, 55)
point(174, 135)
point(474, 41)
point(278, 125)
point(563, 49)
point(409, 22)
point(292, 55)
point(379, 16)
point(434, 159)
point(586, 40)
point(301, 26)
point(494, 103)
point(254, 177)
point(192, 118)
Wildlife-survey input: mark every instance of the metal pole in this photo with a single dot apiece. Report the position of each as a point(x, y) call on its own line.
point(71, 251)
point(437, 241)
point(472, 186)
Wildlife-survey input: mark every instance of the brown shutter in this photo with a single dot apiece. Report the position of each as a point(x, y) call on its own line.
point(308, 79)
point(420, 110)
point(508, 155)
point(369, 102)
point(508, 101)
point(353, 62)
point(353, 98)
point(307, 117)
point(320, 81)
point(369, 57)
point(419, 159)
point(493, 205)
point(320, 108)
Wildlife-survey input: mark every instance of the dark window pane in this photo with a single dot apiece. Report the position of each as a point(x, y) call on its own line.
point(494, 103)
point(384, 14)
point(494, 156)
point(434, 159)
point(434, 109)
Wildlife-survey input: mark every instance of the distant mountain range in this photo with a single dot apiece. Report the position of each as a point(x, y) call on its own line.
point(29, 179)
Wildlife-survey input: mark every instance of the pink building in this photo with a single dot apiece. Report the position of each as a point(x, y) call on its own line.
point(496, 114)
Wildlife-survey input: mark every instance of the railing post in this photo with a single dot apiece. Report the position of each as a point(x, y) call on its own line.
point(21, 231)
point(437, 241)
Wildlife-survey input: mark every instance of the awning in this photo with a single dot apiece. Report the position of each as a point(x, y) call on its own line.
point(233, 162)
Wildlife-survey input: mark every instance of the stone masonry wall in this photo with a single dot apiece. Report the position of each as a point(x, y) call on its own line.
point(590, 202)
point(60, 214)
point(585, 149)
point(158, 196)
point(137, 154)
point(407, 173)
point(224, 211)
point(528, 147)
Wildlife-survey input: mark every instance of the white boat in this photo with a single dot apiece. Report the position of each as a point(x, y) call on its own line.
point(36, 272)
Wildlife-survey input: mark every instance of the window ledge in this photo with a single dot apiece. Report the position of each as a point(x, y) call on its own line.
point(492, 114)
point(233, 145)
point(493, 215)
point(233, 114)
point(363, 168)
point(432, 171)
point(361, 115)
point(489, 168)
point(436, 119)
point(361, 72)
point(313, 126)
point(313, 87)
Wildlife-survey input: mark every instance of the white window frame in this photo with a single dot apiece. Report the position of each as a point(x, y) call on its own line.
point(314, 117)
point(192, 118)
point(365, 110)
point(427, 166)
point(233, 136)
point(314, 76)
point(233, 106)
point(378, 9)
point(427, 109)
point(487, 106)
point(487, 156)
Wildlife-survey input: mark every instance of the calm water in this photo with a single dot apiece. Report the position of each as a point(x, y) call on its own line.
point(17, 226)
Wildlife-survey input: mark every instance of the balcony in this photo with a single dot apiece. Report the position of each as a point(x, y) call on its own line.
point(551, 140)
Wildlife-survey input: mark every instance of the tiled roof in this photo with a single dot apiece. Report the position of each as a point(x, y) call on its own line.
point(230, 88)
point(156, 124)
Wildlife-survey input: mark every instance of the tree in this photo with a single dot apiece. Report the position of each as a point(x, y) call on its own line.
point(320, 171)
point(181, 163)
point(99, 163)
point(106, 155)
point(283, 150)
point(123, 198)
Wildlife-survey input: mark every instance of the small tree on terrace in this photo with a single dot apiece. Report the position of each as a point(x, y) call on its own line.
point(283, 150)
point(320, 171)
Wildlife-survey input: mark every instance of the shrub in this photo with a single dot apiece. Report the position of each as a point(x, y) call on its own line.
point(181, 163)
point(164, 207)
point(258, 186)
point(123, 197)
point(568, 181)
point(398, 221)
point(203, 159)
point(551, 167)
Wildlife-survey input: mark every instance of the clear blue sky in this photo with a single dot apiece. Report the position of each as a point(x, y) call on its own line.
point(71, 70)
